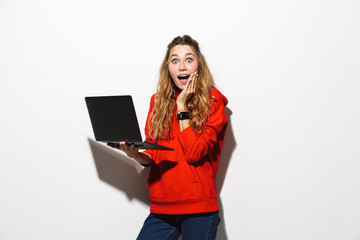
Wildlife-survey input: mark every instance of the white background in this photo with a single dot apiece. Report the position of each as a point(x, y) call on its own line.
point(290, 69)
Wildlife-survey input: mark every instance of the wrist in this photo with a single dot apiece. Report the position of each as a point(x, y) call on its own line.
point(183, 115)
point(133, 155)
point(182, 110)
point(143, 158)
point(180, 105)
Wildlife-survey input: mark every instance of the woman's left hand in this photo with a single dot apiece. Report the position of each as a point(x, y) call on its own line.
point(129, 149)
point(187, 91)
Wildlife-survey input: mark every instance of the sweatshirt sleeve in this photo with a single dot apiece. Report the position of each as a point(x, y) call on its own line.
point(197, 145)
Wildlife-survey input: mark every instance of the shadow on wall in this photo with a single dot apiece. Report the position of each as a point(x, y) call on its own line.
point(226, 154)
point(130, 177)
point(121, 172)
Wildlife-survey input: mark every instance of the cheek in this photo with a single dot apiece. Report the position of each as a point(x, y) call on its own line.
point(193, 67)
point(172, 70)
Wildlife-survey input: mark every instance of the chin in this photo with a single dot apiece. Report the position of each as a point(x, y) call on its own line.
point(181, 87)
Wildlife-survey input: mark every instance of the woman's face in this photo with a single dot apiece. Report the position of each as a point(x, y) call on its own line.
point(182, 63)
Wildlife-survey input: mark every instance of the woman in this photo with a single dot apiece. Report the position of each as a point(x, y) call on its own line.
point(187, 114)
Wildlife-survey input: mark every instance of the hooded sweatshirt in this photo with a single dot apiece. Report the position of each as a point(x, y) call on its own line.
point(183, 181)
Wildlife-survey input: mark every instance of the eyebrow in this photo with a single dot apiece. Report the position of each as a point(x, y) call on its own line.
point(175, 55)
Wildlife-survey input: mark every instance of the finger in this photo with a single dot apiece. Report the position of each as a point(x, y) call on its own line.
point(186, 89)
point(193, 82)
point(131, 147)
point(123, 145)
point(134, 148)
point(191, 79)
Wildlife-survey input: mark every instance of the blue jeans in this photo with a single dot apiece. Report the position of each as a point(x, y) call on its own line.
point(199, 226)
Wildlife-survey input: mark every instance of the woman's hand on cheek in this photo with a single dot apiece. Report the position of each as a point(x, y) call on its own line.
point(187, 91)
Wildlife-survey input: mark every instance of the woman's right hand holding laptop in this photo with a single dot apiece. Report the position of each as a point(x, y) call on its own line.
point(132, 152)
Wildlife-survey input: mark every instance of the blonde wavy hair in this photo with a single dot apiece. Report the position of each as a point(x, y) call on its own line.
point(198, 103)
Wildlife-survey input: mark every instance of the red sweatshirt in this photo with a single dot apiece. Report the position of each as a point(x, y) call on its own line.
point(183, 181)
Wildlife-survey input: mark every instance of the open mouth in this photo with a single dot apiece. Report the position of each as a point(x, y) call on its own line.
point(183, 77)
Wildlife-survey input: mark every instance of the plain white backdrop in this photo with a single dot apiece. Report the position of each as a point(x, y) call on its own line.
point(290, 69)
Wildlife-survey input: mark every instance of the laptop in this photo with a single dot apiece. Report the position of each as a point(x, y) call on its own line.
point(113, 119)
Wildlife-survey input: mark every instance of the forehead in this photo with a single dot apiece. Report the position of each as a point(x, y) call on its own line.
point(182, 50)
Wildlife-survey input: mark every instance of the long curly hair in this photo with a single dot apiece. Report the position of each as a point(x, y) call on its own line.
point(198, 103)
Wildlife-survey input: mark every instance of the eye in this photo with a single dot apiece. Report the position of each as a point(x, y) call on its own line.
point(189, 60)
point(174, 61)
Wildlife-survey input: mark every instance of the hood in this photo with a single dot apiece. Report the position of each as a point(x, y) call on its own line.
point(225, 100)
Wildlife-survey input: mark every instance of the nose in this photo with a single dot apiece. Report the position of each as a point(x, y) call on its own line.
point(182, 66)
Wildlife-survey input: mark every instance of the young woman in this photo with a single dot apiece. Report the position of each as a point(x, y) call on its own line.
point(187, 114)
